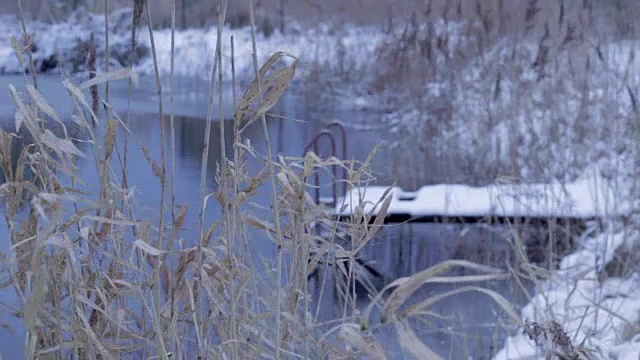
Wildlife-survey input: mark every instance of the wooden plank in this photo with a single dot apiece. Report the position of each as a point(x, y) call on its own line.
point(397, 218)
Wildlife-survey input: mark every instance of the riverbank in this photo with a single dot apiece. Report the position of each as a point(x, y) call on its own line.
point(59, 46)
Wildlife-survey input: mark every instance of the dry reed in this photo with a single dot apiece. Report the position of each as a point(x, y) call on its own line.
point(80, 262)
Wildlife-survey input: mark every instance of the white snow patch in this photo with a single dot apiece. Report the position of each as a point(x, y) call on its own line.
point(589, 311)
point(628, 351)
point(324, 49)
point(195, 49)
point(66, 40)
point(361, 102)
point(599, 312)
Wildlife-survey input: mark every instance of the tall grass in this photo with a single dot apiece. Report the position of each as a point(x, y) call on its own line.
point(94, 280)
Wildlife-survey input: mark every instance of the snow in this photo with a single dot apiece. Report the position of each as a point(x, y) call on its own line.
point(599, 313)
point(361, 102)
point(586, 198)
point(68, 40)
point(627, 352)
point(5, 52)
point(322, 48)
point(195, 48)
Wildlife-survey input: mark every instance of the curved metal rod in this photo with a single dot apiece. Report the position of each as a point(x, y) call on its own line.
point(314, 143)
point(343, 132)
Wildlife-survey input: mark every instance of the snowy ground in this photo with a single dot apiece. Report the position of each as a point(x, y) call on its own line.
point(317, 46)
point(598, 314)
point(321, 47)
point(67, 42)
point(500, 114)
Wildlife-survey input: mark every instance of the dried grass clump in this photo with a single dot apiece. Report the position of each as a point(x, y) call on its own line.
point(554, 341)
point(423, 53)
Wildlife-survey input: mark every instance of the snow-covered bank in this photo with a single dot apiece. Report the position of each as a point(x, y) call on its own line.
point(594, 295)
point(65, 45)
point(598, 313)
point(324, 48)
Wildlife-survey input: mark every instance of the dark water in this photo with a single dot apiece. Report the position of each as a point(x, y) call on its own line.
point(467, 326)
